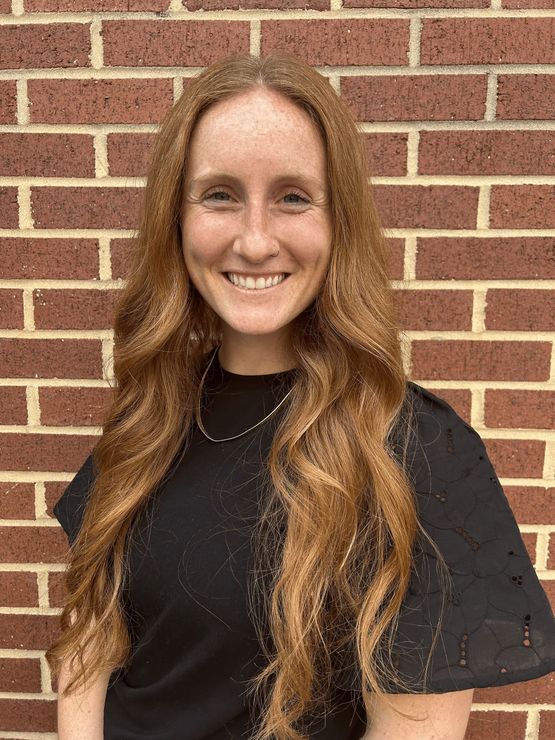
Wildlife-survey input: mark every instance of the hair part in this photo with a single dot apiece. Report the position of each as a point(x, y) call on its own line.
point(337, 537)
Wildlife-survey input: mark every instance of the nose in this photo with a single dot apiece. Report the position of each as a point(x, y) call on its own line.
point(255, 240)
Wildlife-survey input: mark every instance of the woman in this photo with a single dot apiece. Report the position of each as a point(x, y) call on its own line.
point(277, 534)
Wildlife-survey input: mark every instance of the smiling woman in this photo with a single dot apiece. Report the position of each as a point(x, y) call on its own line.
point(278, 535)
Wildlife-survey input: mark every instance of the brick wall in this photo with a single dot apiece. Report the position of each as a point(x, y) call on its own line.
point(454, 97)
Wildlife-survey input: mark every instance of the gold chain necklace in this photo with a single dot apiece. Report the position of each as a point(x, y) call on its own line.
point(226, 439)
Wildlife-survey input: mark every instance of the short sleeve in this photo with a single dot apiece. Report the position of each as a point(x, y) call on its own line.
point(69, 508)
point(498, 626)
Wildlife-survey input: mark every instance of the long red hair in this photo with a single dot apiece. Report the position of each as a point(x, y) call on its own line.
point(333, 471)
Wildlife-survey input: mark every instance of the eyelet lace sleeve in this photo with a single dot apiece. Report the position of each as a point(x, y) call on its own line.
point(498, 626)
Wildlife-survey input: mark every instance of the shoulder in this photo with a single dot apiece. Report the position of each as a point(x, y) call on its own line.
point(460, 500)
point(70, 507)
point(444, 447)
point(435, 415)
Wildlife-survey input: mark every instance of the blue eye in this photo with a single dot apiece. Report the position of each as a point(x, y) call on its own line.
point(296, 195)
point(212, 193)
point(215, 192)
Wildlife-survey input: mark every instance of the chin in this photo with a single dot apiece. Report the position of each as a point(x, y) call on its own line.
point(256, 331)
point(255, 328)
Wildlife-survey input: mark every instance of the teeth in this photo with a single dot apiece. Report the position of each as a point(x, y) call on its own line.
point(251, 284)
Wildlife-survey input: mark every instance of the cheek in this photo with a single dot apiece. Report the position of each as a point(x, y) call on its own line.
point(317, 251)
point(318, 237)
point(198, 247)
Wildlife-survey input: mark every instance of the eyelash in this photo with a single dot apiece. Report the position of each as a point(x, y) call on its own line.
point(292, 192)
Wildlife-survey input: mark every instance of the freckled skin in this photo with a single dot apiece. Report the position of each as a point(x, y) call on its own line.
point(255, 137)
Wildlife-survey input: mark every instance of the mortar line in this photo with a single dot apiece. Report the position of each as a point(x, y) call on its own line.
point(169, 71)
point(244, 15)
point(97, 44)
point(22, 103)
point(415, 32)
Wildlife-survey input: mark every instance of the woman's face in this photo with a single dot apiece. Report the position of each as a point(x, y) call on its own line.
point(256, 186)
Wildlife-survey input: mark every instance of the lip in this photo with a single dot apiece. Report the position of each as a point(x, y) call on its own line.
point(252, 290)
point(264, 275)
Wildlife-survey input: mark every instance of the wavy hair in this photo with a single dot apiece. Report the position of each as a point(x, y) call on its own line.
point(340, 528)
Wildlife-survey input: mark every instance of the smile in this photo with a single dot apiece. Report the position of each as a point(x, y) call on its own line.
point(255, 285)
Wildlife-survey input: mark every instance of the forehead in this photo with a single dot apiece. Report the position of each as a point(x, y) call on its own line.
point(257, 127)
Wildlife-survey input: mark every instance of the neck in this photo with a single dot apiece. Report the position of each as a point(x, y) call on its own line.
point(254, 355)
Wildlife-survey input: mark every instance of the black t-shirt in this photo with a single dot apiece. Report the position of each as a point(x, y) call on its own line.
point(194, 646)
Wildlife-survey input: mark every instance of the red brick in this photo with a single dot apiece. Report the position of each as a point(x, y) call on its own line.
point(459, 398)
point(54, 489)
point(18, 589)
point(13, 405)
point(520, 310)
point(58, 453)
point(9, 209)
point(551, 552)
point(129, 155)
point(547, 717)
point(338, 42)
point(427, 206)
point(415, 97)
point(549, 588)
point(171, 43)
point(487, 41)
point(396, 257)
point(50, 358)
point(121, 256)
point(475, 258)
point(20, 674)
point(519, 409)
point(11, 308)
point(95, 5)
point(57, 258)
point(73, 406)
point(74, 309)
point(386, 154)
point(532, 504)
point(530, 541)
point(536, 691)
point(56, 589)
point(522, 207)
point(410, 4)
point(31, 544)
point(473, 359)
point(486, 153)
point(523, 4)
point(525, 97)
point(8, 104)
point(99, 101)
point(47, 155)
point(191, 5)
point(5, 6)
point(58, 207)
point(28, 631)
point(45, 45)
point(27, 715)
point(496, 726)
point(52, 492)
point(17, 501)
point(516, 458)
point(434, 309)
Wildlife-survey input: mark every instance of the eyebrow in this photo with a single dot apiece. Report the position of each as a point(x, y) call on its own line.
point(308, 180)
